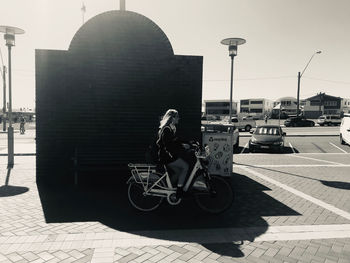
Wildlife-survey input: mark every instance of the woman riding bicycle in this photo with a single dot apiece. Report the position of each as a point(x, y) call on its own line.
point(172, 152)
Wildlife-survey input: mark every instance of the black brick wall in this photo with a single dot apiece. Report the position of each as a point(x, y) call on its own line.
point(106, 93)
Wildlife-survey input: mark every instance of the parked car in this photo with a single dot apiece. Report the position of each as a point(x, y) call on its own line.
point(298, 122)
point(221, 127)
point(329, 120)
point(267, 137)
point(344, 134)
point(245, 125)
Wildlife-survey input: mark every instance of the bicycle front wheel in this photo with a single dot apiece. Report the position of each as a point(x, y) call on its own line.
point(218, 199)
point(140, 201)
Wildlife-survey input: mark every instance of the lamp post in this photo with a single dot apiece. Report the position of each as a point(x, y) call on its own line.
point(9, 36)
point(299, 77)
point(4, 99)
point(232, 44)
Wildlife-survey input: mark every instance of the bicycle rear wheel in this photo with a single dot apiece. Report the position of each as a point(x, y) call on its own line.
point(218, 199)
point(141, 201)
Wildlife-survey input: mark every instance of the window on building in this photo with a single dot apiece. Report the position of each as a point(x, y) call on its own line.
point(256, 102)
point(315, 103)
point(256, 110)
point(217, 104)
point(218, 112)
point(244, 109)
point(244, 102)
point(330, 103)
point(286, 103)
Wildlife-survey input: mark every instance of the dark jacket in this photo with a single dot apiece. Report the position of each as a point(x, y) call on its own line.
point(170, 147)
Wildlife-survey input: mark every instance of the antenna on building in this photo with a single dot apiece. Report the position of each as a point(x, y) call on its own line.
point(122, 5)
point(83, 10)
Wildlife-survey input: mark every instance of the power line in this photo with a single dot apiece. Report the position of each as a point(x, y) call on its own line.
point(327, 80)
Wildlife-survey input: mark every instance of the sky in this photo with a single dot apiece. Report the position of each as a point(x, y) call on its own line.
point(281, 36)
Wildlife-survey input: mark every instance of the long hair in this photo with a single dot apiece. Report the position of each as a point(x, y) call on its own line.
point(168, 117)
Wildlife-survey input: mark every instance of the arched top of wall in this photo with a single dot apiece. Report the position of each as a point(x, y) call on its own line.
point(121, 34)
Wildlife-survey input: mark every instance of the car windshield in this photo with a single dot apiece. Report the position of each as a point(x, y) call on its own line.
point(267, 131)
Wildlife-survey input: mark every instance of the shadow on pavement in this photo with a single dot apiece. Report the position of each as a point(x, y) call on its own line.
point(9, 190)
point(285, 150)
point(334, 184)
point(110, 206)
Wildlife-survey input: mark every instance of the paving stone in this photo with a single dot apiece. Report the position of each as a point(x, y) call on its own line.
point(143, 257)
point(158, 257)
point(128, 258)
point(270, 252)
point(150, 250)
point(188, 255)
point(224, 259)
point(178, 249)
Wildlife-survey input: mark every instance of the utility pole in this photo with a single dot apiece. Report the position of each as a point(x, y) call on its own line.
point(83, 10)
point(122, 5)
point(298, 92)
point(4, 99)
point(299, 77)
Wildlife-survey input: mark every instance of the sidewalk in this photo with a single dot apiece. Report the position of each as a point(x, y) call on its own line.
point(45, 225)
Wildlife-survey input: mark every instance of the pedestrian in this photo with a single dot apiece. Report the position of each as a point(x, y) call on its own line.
point(21, 127)
point(265, 118)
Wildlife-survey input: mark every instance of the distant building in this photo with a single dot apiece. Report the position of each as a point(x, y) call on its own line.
point(219, 107)
point(287, 105)
point(256, 106)
point(345, 105)
point(322, 104)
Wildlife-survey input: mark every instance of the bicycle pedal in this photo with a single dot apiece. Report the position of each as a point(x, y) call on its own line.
point(173, 200)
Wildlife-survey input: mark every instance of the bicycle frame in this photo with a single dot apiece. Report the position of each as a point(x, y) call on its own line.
point(141, 174)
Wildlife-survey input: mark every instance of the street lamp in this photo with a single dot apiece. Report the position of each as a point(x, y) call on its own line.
point(299, 77)
point(9, 36)
point(232, 44)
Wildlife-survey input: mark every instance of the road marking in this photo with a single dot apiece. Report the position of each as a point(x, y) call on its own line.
point(286, 154)
point(338, 147)
point(291, 146)
point(300, 165)
point(299, 193)
point(319, 160)
point(244, 148)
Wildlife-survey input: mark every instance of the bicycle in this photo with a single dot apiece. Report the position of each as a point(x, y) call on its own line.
point(148, 187)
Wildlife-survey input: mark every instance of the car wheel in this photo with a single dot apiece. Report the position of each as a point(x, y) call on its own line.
point(294, 125)
point(247, 128)
point(341, 139)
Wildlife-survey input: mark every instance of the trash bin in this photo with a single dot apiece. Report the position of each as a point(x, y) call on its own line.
point(219, 138)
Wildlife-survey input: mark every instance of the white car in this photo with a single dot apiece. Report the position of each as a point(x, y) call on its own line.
point(245, 125)
point(344, 135)
point(328, 120)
